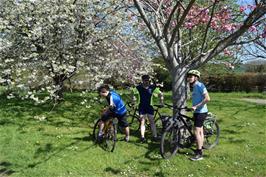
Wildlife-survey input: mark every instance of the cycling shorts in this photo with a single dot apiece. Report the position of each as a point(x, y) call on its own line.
point(199, 119)
point(146, 110)
point(122, 119)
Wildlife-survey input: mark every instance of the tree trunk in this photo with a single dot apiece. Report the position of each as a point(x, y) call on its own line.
point(179, 86)
point(59, 83)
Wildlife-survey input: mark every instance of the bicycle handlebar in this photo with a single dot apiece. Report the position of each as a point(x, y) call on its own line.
point(130, 105)
point(174, 107)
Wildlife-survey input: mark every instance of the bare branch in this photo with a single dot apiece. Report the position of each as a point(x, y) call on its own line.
point(207, 27)
point(180, 22)
point(166, 26)
point(145, 18)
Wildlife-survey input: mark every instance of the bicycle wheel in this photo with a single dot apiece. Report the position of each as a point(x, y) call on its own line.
point(211, 132)
point(134, 123)
point(110, 137)
point(185, 139)
point(169, 144)
point(96, 130)
point(159, 125)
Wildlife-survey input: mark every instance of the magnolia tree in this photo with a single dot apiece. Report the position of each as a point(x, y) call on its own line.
point(189, 33)
point(45, 43)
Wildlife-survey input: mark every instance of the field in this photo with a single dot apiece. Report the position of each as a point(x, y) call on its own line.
point(37, 140)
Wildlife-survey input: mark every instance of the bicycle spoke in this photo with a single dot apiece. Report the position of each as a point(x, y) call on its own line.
point(110, 138)
point(169, 143)
point(211, 133)
point(185, 139)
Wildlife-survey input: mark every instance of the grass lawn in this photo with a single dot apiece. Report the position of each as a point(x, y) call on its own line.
point(35, 142)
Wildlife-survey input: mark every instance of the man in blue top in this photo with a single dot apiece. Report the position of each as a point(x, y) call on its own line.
point(200, 97)
point(117, 109)
point(145, 92)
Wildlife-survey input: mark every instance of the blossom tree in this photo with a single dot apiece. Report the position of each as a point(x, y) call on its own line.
point(189, 33)
point(45, 43)
point(253, 45)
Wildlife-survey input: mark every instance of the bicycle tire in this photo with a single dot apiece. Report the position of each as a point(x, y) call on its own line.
point(110, 137)
point(134, 123)
point(169, 146)
point(185, 139)
point(96, 130)
point(159, 125)
point(211, 132)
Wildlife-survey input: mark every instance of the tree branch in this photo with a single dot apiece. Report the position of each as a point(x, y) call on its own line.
point(167, 24)
point(145, 18)
point(207, 28)
point(254, 16)
point(180, 22)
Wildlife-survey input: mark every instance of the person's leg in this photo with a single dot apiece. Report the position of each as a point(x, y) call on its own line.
point(153, 126)
point(142, 126)
point(105, 116)
point(101, 126)
point(127, 133)
point(122, 121)
point(199, 138)
point(199, 118)
point(142, 116)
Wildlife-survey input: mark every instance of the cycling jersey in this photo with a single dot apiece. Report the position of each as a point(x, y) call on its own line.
point(199, 90)
point(146, 95)
point(116, 102)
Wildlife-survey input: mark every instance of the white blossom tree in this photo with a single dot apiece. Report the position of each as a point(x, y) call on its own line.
point(45, 43)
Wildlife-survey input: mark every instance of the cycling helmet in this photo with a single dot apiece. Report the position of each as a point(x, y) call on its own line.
point(194, 72)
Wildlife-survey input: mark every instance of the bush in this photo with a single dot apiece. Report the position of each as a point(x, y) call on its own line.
point(236, 82)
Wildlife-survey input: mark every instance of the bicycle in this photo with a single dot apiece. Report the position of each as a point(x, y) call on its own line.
point(109, 134)
point(135, 119)
point(178, 133)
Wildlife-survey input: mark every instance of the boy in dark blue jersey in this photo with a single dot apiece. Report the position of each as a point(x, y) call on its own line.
point(117, 109)
point(145, 92)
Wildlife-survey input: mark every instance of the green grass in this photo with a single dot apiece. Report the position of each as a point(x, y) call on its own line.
point(61, 145)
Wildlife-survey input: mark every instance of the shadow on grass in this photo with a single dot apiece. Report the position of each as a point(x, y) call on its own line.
point(68, 113)
point(49, 151)
point(113, 171)
point(4, 169)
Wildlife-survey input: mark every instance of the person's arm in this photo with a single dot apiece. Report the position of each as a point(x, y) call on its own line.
point(112, 104)
point(161, 97)
point(133, 96)
point(204, 101)
point(158, 92)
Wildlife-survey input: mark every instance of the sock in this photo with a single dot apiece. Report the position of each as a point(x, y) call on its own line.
point(142, 130)
point(100, 133)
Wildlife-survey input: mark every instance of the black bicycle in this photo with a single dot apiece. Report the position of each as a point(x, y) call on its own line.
point(135, 120)
point(108, 141)
point(179, 133)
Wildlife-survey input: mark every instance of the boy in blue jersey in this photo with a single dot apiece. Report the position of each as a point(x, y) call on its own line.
point(200, 97)
point(117, 109)
point(145, 92)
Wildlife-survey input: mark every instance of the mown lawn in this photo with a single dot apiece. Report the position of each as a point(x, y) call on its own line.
point(61, 144)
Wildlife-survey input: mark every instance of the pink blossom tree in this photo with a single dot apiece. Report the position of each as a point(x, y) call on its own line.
point(189, 33)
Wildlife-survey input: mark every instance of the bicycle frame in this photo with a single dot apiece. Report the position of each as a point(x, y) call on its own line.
point(185, 122)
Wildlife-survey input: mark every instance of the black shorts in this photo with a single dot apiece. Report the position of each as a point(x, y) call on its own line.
point(199, 119)
point(122, 119)
point(146, 109)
